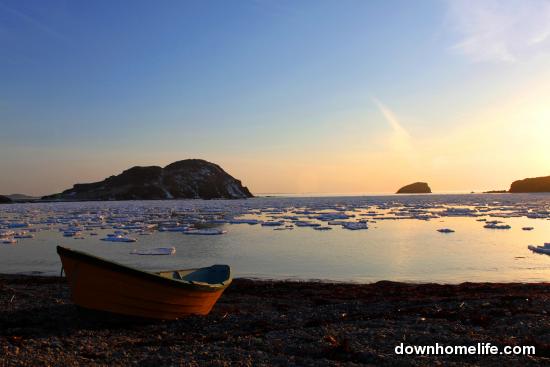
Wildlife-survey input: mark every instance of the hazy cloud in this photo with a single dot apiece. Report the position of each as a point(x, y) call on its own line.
point(500, 31)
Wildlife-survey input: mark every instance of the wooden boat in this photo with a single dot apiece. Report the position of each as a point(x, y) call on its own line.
point(104, 285)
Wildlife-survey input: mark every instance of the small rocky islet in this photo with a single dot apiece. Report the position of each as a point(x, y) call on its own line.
point(415, 188)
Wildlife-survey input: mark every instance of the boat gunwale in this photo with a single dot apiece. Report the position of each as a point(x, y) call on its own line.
point(117, 267)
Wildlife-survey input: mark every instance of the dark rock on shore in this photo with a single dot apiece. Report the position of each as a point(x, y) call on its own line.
point(186, 179)
point(537, 184)
point(4, 199)
point(273, 323)
point(415, 188)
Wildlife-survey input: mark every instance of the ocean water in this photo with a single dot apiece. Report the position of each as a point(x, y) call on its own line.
point(401, 243)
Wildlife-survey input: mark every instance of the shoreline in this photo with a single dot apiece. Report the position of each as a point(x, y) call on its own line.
point(317, 281)
point(271, 322)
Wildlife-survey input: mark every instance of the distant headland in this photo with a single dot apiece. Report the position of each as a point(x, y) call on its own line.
point(537, 184)
point(186, 179)
point(21, 197)
point(415, 188)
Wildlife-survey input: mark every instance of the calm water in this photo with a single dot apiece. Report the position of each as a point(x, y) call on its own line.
point(397, 246)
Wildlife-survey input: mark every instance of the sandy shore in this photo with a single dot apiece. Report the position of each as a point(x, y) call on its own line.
point(280, 323)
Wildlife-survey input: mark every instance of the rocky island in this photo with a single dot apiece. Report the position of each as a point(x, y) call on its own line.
point(4, 199)
point(537, 184)
point(186, 179)
point(415, 188)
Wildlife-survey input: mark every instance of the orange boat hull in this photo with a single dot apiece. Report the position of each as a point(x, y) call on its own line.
point(106, 288)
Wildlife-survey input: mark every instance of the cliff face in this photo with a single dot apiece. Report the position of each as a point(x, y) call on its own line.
point(415, 188)
point(4, 199)
point(187, 179)
point(537, 184)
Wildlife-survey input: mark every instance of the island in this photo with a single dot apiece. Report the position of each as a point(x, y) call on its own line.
point(537, 184)
point(415, 188)
point(5, 199)
point(185, 179)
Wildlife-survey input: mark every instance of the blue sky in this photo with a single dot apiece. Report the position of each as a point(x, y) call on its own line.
point(289, 96)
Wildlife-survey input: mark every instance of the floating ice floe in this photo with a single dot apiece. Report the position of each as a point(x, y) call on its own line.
point(355, 225)
point(497, 226)
point(301, 223)
point(545, 249)
point(336, 222)
point(18, 225)
point(205, 231)
point(23, 235)
point(325, 217)
point(118, 238)
point(244, 221)
point(71, 233)
point(155, 251)
point(175, 229)
point(272, 224)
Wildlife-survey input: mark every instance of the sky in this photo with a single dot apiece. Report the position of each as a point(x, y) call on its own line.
point(289, 96)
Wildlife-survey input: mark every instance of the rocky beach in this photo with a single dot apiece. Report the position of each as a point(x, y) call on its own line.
point(259, 322)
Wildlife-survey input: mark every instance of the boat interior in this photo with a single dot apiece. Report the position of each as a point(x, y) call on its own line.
point(215, 274)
